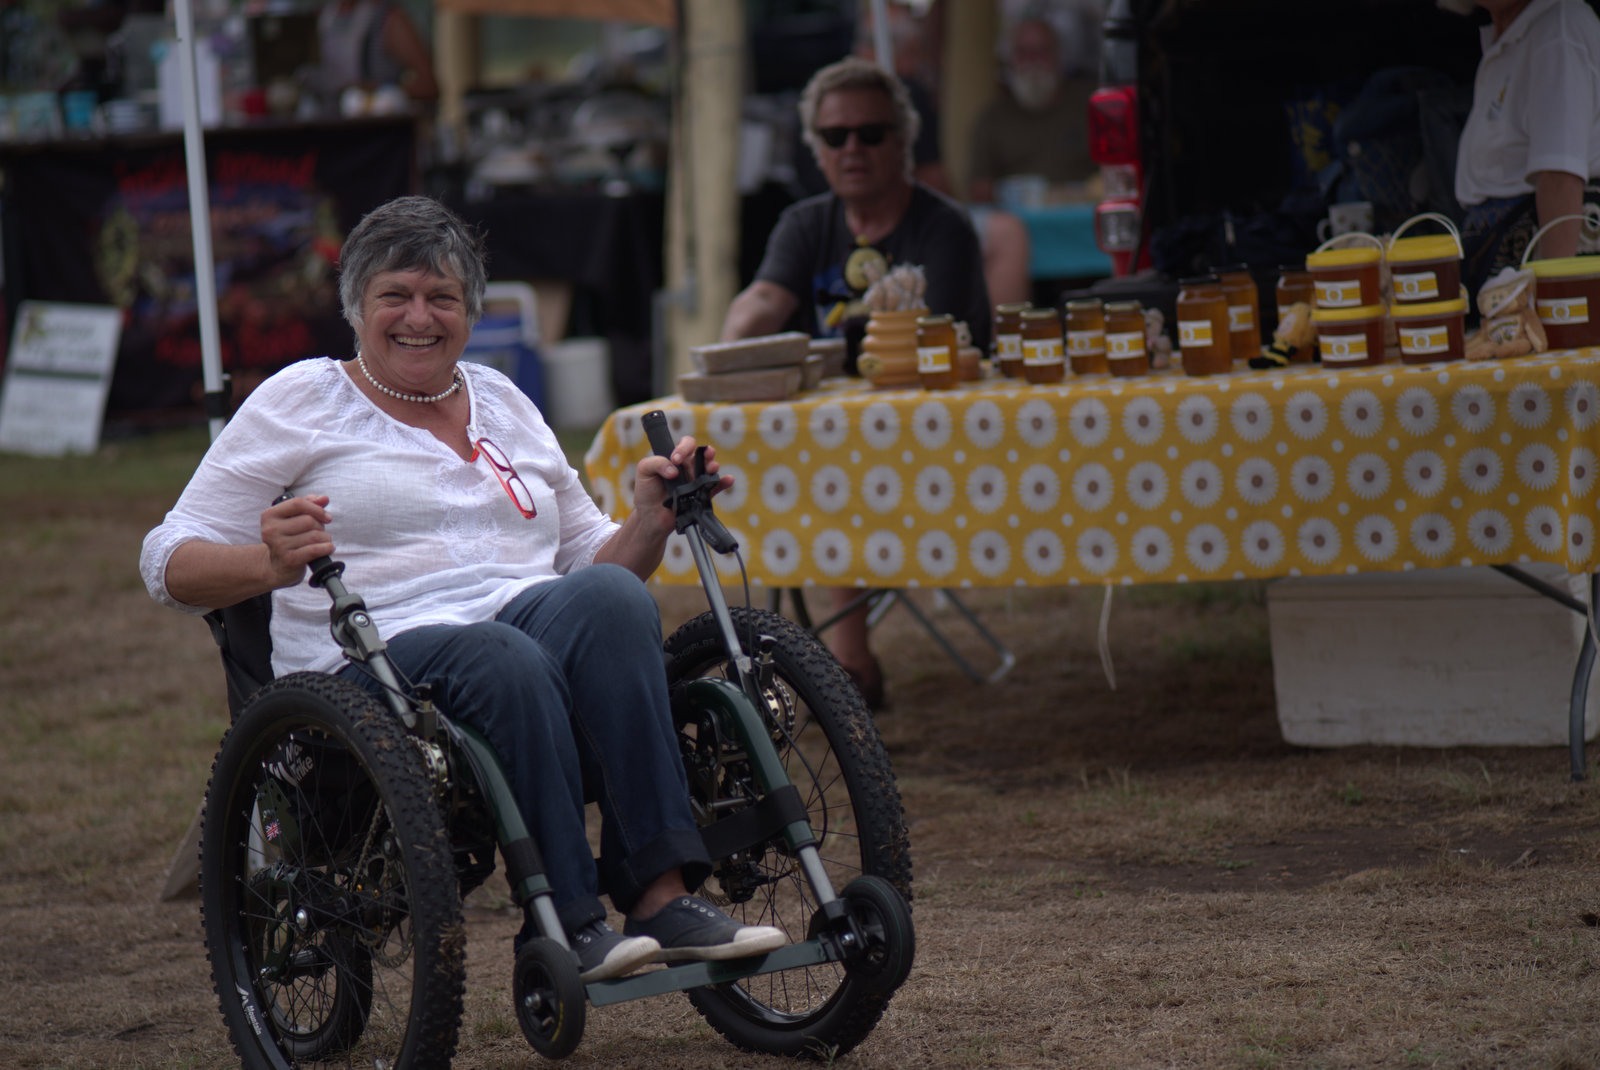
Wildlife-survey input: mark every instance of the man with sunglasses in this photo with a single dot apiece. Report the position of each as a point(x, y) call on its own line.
point(858, 121)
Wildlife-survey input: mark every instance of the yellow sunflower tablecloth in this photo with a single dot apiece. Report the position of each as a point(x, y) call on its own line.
point(1163, 478)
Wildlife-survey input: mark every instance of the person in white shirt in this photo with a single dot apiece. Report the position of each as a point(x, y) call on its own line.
point(1532, 139)
point(494, 576)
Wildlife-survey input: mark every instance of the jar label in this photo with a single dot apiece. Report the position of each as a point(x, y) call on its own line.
point(1192, 333)
point(1560, 311)
point(1125, 346)
point(1339, 293)
point(1342, 348)
point(1416, 286)
point(1417, 341)
point(1240, 318)
point(1086, 343)
point(933, 359)
point(1042, 352)
point(1010, 347)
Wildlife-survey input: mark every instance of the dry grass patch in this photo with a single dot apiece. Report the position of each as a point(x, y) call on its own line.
point(1144, 877)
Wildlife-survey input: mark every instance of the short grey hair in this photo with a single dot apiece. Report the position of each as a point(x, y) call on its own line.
point(408, 234)
point(853, 72)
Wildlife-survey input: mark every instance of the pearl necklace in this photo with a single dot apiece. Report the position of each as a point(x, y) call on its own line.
point(456, 382)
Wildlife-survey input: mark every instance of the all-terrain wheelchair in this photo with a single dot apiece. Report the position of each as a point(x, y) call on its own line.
point(342, 831)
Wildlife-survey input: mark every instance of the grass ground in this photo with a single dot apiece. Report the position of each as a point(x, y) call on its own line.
point(1132, 878)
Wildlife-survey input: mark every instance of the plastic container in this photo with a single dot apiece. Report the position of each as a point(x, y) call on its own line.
point(1349, 337)
point(1425, 268)
point(1044, 357)
point(1203, 337)
point(1566, 294)
point(1244, 310)
point(1086, 336)
point(1346, 278)
point(936, 353)
point(1008, 338)
point(1430, 331)
point(1126, 354)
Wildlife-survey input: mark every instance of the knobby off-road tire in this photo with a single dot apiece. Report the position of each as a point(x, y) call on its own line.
point(833, 753)
point(328, 891)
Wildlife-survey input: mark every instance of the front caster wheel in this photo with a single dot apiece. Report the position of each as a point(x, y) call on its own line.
point(550, 1000)
point(883, 922)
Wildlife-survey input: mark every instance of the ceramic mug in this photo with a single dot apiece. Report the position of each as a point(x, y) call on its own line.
point(1345, 218)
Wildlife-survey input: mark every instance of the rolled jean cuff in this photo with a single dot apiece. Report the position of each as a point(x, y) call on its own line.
point(673, 849)
point(580, 912)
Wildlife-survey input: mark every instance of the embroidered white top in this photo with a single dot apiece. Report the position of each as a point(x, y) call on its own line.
point(1535, 103)
point(426, 537)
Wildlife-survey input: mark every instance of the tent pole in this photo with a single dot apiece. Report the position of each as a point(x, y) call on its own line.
point(205, 278)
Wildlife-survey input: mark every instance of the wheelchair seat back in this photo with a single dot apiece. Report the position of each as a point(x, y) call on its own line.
point(243, 635)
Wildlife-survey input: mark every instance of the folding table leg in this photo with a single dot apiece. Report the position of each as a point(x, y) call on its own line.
point(881, 601)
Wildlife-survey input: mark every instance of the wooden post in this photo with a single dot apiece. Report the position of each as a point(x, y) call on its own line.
point(702, 183)
point(967, 74)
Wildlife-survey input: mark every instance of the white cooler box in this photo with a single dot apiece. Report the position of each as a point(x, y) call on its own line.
point(1434, 658)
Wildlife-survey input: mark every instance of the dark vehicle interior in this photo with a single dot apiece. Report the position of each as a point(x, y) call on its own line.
point(1252, 116)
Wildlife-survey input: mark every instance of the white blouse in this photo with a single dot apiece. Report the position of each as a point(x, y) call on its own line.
point(426, 537)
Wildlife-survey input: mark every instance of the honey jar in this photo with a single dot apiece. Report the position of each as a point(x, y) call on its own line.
point(1008, 338)
point(1043, 346)
point(1244, 310)
point(1345, 278)
point(1426, 268)
point(1566, 294)
point(1125, 349)
point(1203, 337)
point(1349, 337)
point(1086, 336)
point(936, 352)
point(1293, 287)
point(1431, 330)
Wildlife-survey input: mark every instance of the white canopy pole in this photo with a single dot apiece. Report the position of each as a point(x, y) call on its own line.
point(882, 43)
point(205, 276)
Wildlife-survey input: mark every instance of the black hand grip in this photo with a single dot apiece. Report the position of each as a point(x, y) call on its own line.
point(655, 429)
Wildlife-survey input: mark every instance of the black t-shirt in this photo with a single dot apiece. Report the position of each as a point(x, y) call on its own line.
point(807, 252)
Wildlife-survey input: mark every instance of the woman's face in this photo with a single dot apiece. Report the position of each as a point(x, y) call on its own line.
point(413, 328)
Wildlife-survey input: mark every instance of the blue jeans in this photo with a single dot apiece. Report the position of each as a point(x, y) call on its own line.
point(569, 686)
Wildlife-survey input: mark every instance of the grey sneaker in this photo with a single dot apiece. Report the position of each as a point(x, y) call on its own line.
point(604, 953)
point(691, 928)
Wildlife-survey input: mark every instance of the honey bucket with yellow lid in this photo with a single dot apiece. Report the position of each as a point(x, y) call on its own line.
point(1425, 267)
point(1430, 331)
point(1349, 337)
point(1347, 276)
point(1566, 292)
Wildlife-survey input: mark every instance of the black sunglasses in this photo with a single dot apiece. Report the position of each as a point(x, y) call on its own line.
point(868, 134)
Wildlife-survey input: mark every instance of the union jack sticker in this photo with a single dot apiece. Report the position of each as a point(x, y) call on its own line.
point(272, 831)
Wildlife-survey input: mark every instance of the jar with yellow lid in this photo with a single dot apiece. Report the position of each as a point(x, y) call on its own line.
point(1346, 278)
point(1349, 337)
point(1086, 336)
point(1008, 338)
point(1203, 339)
point(936, 352)
point(1043, 346)
point(1425, 268)
point(1430, 331)
point(1566, 294)
point(1244, 310)
point(1126, 354)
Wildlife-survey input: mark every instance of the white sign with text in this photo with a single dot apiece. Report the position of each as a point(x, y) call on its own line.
point(57, 377)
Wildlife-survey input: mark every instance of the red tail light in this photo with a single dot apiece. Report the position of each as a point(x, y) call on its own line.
point(1114, 125)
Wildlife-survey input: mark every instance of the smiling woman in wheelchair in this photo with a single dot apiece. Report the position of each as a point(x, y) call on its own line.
point(500, 583)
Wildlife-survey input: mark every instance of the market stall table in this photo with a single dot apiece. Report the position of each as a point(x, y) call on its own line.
point(1157, 479)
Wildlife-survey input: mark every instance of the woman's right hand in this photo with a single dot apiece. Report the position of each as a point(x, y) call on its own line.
point(295, 533)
